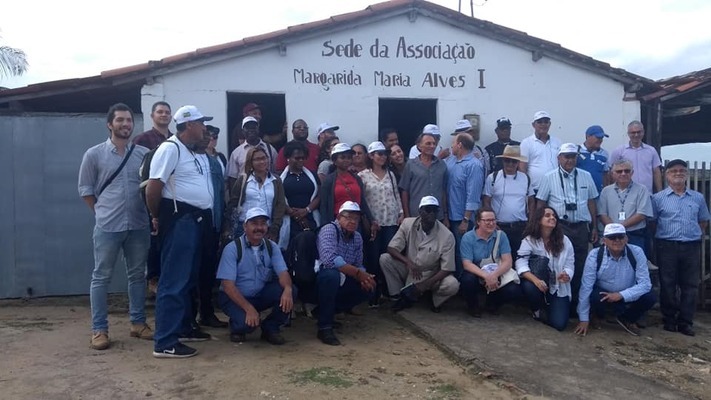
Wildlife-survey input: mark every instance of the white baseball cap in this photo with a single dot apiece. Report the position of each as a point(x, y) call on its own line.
point(326, 126)
point(429, 201)
point(567, 148)
point(432, 129)
point(540, 114)
point(614, 229)
point(462, 125)
point(349, 206)
point(247, 120)
point(377, 146)
point(255, 212)
point(189, 113)
point(341, 148)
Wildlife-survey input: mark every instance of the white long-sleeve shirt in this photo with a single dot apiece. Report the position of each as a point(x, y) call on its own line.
point(564, 262)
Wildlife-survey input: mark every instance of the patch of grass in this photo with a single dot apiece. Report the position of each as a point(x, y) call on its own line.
point(326, 376)
point(445, 391)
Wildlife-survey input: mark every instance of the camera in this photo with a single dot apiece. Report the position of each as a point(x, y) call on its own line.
point(571, 207)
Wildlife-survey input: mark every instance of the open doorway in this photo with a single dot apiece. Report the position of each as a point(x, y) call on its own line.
point(272, 106)
point(407, 116)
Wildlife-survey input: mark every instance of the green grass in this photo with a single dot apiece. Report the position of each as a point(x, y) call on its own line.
point(445, 391)
point(326, 376)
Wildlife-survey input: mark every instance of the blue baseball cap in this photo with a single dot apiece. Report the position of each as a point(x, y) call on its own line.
point(596, 130)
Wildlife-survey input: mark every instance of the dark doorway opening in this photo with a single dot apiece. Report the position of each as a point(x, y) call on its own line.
point(408, 117)
point(272, 106)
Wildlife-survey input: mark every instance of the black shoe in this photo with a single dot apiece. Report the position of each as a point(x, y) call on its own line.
point(630, 327)
point(178, 351)
point(273, 338)
point(238, 337)
point(213, 322)
point(435, 309)
point(401, 304)
point(670, 327)
point(686, 330)
point(328, 337)
point(337, 324)
point(194, 335)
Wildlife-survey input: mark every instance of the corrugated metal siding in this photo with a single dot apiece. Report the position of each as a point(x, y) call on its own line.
point(46, 229)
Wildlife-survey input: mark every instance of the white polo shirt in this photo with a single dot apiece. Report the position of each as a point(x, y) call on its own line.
point(192, 178)
point(509, 195)
point(542, 157)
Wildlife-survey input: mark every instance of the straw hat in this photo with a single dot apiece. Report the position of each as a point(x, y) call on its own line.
point(513, 152)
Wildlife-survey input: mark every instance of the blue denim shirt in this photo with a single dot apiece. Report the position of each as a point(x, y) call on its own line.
point(465, 182)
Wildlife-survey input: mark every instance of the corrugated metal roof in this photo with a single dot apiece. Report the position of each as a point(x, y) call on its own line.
point(143, 71)
point(681, 84)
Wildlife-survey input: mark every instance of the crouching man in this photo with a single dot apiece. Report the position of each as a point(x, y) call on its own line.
point(618, 277)
point(255, 278)
point(421, 257)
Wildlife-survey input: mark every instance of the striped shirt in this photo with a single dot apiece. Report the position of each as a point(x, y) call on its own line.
point(678, 216)
point(559, 188)
point(335, 250)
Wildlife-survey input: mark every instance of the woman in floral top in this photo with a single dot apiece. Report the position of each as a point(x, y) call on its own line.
point(383, 198)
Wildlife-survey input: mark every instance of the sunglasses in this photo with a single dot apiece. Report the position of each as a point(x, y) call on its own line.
point(623, 171)
point(616, 238)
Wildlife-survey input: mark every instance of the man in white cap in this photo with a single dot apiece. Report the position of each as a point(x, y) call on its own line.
point(325, 132)
point(253, 138)
point(464, 126)
point(341, 279)
point(540, 149)
point(615, 274)
point(571, 192)
point(509, 193)
point(433, 130)
point(246, 269)
point(421, 254)
point(180, 198)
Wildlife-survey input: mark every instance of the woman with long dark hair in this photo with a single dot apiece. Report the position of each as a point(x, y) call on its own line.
point(397, 161)
point(544, 239)
point(324, 159)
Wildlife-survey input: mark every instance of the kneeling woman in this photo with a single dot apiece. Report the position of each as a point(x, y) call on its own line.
point(487, 262)
point(544, 243)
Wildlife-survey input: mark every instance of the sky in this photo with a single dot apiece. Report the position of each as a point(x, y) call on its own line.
point(78, 38)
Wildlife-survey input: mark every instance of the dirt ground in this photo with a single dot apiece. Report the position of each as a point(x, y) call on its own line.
point(45, 355)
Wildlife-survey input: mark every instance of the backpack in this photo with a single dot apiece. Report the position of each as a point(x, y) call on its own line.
point(493, 180)
point(144, 171)
point(239, 243)
point(628, 251)
point(301, 255)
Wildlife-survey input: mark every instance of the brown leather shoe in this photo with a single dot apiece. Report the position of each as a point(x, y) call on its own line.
point(141, 331)
point(99, 341)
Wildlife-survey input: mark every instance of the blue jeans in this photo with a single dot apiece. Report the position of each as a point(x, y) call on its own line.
point(471, 287)
point(179, 264)
point(334, 298)
point(454, 228)
point(630, 312)
point(558, 308)
point(268, 297)
point(373, 251)
point(135, 245)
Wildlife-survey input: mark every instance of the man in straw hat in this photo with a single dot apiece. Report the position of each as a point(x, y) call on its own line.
point(509, 193)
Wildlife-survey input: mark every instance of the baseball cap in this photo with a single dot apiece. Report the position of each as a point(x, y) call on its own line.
point(503, 122)
point(462, 125)
point(614, 229)
point(249, 107)
point(255, 212)
point(377, 146)
point(213, 129)
point(567, 148)
point(540, 114)
point(351, 206)
point(432, 129)
point(676, 162)
point(596, 130)
point(341, 148)
point(429, 201)
point(326, 127)
point(247, 120)
point(189, 113)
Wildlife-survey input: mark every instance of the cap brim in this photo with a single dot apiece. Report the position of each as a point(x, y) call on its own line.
point(206, 119)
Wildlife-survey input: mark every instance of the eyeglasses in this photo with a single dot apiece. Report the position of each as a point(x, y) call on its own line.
point(488, 220)
point(353, 217)
point(616, 238)
point(677, 171)
point(623, 171)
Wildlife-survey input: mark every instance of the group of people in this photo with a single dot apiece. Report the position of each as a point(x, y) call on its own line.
point(335, 225)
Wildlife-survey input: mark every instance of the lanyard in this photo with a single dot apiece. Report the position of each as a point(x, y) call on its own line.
point(575, 183)
point(627, 193)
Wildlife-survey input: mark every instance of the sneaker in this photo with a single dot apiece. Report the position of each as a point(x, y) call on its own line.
point(178, 351)
point(274, 338)
point(213, 322)
point(686, 330)
point(630, 327)
point(194, 335)
point(328, 337)
point(99, 341)
point(141, 331)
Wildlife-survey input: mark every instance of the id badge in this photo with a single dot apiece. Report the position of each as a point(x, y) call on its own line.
point(621, 216)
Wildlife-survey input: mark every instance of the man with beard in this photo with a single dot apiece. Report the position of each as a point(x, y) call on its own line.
point(180, 198)
point(300, 130)
point(109, 185)
point(235, 166)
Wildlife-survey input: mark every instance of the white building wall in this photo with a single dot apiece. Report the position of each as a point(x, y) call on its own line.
point(513, 84)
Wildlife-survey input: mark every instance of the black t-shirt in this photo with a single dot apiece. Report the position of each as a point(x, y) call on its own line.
point(497, 149)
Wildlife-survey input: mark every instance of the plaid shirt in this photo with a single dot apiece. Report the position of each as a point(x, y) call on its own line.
point(335, 250)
